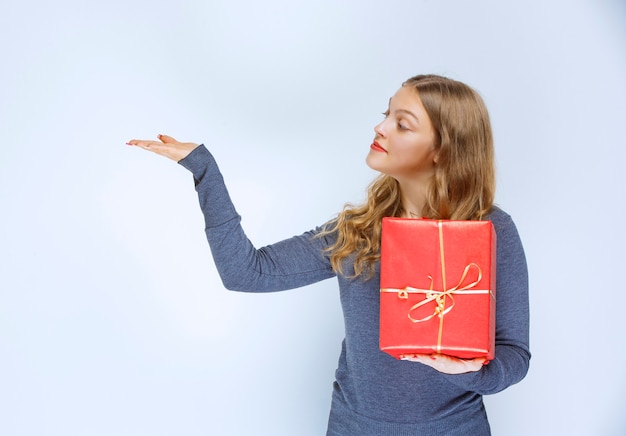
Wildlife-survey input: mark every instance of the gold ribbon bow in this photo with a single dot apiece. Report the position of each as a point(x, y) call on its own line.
point(439, 297)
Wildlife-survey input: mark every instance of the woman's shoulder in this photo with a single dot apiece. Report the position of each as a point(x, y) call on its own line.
point(496, 214)
point(502, 222)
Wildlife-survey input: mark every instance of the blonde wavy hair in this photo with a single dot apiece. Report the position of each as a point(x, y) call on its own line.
point(462, 188)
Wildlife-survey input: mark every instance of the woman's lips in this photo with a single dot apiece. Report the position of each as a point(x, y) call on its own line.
point(376, 147)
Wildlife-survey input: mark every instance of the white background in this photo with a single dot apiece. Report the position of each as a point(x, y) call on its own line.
point(113, 320)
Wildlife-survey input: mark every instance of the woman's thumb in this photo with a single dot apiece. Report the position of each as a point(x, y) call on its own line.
point(166, 139)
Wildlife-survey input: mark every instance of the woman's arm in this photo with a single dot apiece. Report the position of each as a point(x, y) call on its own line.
point(291, 263)
point(512, 355)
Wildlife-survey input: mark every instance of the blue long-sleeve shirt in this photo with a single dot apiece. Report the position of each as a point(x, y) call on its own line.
point(374, 393)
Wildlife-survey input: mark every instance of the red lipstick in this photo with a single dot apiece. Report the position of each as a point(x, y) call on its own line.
point(376, 147)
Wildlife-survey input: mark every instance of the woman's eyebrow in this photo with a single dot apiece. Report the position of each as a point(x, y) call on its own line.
point(408, 112)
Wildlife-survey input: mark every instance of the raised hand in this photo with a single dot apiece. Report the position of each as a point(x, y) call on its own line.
point(165, 146)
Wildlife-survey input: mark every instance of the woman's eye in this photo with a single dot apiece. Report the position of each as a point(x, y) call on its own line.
point(403, 126)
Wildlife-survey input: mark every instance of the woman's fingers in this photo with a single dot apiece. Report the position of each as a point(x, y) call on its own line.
point(447, 364)
point(142, 143)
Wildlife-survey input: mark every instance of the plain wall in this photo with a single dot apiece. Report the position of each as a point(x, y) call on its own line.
point(113, 320)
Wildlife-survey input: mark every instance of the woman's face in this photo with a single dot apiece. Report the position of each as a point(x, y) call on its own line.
point(403, 147)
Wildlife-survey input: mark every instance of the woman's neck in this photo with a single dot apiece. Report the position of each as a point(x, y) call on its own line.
point(413, 199)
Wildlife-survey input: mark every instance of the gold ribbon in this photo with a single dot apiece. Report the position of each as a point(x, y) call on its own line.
point(439, 297)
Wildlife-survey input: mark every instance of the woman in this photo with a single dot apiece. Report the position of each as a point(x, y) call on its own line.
point(434, 150)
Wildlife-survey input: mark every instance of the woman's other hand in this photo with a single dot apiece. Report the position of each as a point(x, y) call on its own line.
point(447, 364)
point(166, 146)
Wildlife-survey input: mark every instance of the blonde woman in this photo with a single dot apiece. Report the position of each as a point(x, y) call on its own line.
point(434, 150)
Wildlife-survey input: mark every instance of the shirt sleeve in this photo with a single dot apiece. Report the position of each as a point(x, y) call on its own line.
point(291, 263)
point(512, 356)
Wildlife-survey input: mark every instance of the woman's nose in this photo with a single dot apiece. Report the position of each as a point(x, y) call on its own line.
point(379, 128)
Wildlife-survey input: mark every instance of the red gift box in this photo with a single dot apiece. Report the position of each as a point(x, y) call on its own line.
point(437, 287)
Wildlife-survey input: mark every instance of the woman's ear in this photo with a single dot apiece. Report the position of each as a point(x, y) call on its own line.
point(435, 152)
